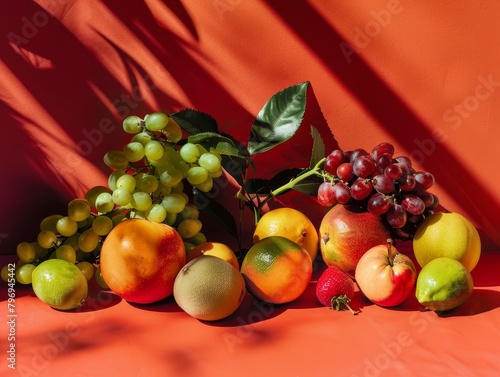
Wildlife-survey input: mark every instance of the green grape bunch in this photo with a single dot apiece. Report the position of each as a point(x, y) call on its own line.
point(149, 179)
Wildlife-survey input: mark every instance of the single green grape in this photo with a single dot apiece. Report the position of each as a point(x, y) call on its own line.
point(206, 185)
point(173, 131)
point(94, 192)
point(210, 162)
point(201, 149)
point(99, 279)
point(190, 211)
point(196, 175)
point(173, 203)
point(87, 269)
point(162, 190)
point(148, 183)
point(142, 137)
point(67, 253)
point(49, 223)
point(171, 218)
point(160, 164)
point(189, 228)
point(66, 226)
point(141, 201)
point(46, 239)
point(171, 177)
point(133, 151)
point(132, 124)
point(26, 252)
point(127, 182)
point(116, 159)
point(102, 225)
point(188, 246)
point(189, 152)
point(113, 178)
point(104, 203)
point(6, 273)
point(217, 173)
point(121, 196)
point(154, 150)
point(156, 213)
point(178, 188)
point(88, 241)
point(156, 121)
point(24, 273)
point(197, 239)
point(78, 209)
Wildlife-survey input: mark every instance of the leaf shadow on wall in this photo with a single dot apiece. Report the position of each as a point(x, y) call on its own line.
point(391, 112)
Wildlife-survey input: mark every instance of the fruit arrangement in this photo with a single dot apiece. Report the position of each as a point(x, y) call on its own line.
point(141, 236)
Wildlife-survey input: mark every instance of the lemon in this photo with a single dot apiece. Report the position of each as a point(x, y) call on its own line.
point(447, 234)
point(209, 288)
point(443, 284)
point(60, 284)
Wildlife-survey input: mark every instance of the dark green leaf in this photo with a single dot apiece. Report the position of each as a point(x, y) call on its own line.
point(279, 119)
point(193, 121)
point(265, 186)
point(236, 167)
point(309, 186)
point(216, 211)
point(318, 151)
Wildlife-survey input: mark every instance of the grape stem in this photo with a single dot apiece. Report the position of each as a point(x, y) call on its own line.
point(257, 208)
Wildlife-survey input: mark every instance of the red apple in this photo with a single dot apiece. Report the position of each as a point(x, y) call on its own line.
point(384, 276)
point(346, 234)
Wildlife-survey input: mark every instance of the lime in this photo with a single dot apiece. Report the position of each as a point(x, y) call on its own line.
point(443, 284)
point(60, 284)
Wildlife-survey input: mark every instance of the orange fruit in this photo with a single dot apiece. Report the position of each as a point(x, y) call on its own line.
point(277, 270)
point(140, 259)
point(289, 223)
point(209, 288)
point(215, 249)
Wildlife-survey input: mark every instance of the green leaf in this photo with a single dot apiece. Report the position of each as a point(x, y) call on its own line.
point(265, 186)
point(194, 121)
point(309, 186)
point(279, 119)
point(318, 150)
point(236, 167)
point(216, 211)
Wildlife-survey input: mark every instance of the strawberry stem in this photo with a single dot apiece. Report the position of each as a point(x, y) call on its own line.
point(338, 301)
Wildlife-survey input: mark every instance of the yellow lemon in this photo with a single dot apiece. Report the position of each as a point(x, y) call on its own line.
point(447, 234)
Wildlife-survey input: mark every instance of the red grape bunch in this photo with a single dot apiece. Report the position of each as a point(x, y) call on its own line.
point(380, 183)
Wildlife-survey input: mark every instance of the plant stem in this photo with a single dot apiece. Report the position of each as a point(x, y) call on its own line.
point(293, 182)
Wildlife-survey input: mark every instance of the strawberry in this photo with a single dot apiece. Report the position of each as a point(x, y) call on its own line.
point(335, 289)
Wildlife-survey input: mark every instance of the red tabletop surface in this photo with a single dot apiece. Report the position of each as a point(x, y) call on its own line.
point(109, 336)
point(422, 76)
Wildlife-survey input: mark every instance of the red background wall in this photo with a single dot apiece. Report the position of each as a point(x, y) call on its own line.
point(424, 76)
